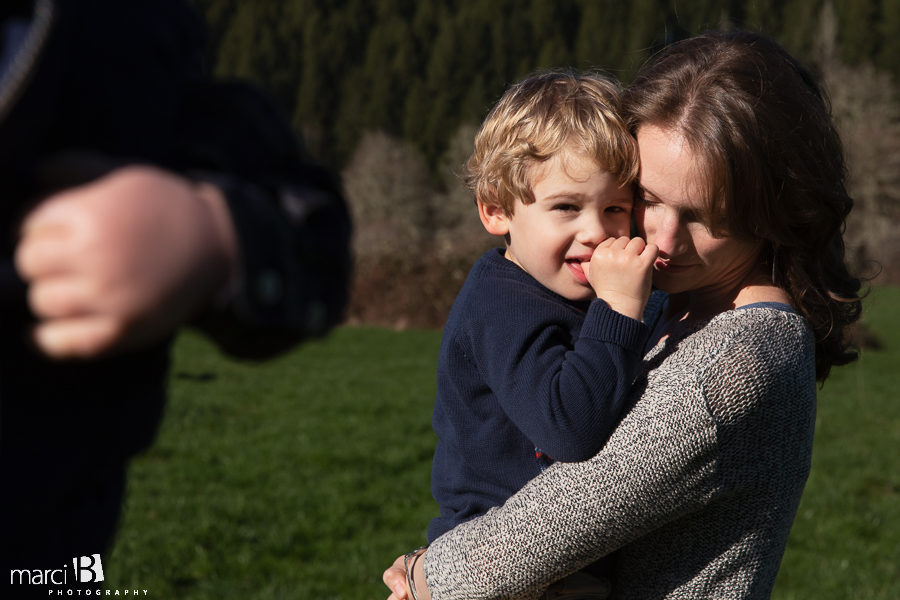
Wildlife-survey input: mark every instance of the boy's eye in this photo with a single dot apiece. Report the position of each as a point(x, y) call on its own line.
point(565, 207)
point(615, 209)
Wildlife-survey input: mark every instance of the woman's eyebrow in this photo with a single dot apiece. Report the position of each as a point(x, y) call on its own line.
point(647, 192)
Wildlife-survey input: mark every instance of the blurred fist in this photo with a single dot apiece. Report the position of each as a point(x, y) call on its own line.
point(123, 261)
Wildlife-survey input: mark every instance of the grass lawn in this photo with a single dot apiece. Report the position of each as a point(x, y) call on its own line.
point(305, 476)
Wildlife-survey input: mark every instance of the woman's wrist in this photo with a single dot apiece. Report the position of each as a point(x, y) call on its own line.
point(415, 574)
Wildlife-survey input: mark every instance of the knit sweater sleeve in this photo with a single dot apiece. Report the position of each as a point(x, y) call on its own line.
point(656, 465)
point(662, 464)
point(566, 399)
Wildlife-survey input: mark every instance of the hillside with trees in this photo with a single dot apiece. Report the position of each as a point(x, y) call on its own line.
point(389, 93)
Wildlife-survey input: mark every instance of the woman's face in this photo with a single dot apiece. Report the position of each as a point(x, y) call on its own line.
point(690, 258)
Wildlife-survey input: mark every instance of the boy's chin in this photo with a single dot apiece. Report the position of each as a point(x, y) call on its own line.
point(576, 296)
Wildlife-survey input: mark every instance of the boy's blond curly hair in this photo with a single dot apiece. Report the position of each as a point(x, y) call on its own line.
point(537, 118)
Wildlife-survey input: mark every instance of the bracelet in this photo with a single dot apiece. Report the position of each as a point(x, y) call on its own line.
point(410, 578)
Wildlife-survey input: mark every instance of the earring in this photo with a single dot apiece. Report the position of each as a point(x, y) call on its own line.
point(774, 257)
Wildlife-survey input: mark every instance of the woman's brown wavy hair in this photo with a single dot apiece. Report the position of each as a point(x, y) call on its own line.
point(772, 163)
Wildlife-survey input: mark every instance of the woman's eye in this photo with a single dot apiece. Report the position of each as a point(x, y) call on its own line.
point(690, 216)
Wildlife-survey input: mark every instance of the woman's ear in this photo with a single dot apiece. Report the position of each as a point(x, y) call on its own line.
point(494, 218)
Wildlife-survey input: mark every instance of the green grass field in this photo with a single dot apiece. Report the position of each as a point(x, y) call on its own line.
point(304, 477)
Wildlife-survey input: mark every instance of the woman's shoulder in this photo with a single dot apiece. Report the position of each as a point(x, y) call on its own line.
point(758, 355)
point(775, 323)
point(762, 334)
point(762, 328)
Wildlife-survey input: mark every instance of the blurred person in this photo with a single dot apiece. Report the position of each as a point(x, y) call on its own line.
point(138, 196)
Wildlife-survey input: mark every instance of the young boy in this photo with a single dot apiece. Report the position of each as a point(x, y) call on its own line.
point(533, 367)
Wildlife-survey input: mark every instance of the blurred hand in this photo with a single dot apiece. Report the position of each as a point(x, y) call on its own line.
point(123, 261)
point(621, 271)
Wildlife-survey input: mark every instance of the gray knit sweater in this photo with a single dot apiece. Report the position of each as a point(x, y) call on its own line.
point(695, 491)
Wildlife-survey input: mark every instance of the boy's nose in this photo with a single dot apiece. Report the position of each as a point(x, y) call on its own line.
point(590, 234)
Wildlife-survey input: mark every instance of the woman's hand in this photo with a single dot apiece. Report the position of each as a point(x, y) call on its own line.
point(395, 578)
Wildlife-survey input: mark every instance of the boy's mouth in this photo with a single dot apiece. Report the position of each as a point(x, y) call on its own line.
point(578, 260)
point(575, 264)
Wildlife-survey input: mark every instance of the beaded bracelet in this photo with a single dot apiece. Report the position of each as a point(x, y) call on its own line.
point(410, 578)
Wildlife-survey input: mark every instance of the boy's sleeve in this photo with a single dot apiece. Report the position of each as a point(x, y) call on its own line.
point(566, 399)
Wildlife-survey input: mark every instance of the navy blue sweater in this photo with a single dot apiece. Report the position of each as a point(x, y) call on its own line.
point(522, 367)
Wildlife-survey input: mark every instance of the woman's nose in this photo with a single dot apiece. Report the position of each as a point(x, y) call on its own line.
point(666, 233)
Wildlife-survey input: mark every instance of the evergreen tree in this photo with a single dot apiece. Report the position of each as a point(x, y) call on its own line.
point(217, 14)
point(388, 60)
point(420, 70)
point(651, 25)
point(313, 96)
point(858, 34)
point(701, 15)
point(888, 58)
point(764, 16)
point(800, 26)
point(443, 85)
point(550, 33)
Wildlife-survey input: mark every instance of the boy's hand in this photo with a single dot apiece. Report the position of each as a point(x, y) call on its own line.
point(620, 272)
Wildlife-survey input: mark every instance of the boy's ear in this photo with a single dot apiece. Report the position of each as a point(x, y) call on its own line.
point(494, 219)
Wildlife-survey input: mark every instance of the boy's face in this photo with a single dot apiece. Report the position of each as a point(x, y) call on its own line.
point(577, 205)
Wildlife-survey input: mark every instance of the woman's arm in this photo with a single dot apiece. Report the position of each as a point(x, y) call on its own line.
point(660, 463)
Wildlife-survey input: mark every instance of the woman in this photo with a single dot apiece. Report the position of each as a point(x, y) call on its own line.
point(743, 192)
